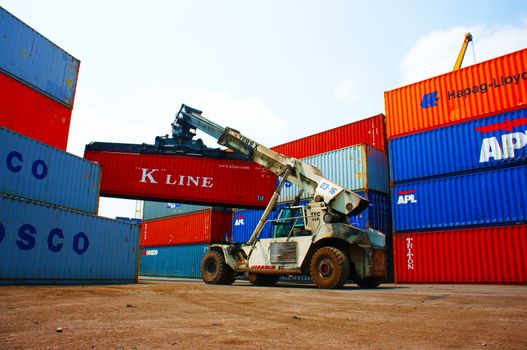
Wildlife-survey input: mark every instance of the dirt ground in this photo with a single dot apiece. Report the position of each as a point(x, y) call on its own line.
point(187, 314)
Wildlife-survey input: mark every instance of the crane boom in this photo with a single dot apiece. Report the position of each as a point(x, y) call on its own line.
point(461, 55)
point(306, 176)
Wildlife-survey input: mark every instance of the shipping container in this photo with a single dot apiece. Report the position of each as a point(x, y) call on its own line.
point(156, 210)
point(31, 58)
point(28, 112)
point(173, 261)
point(377, 216)
point(480, 198)
point(473, 255)
point(483, 89)
point(202, 227)
point(496, 141)
point(370, 131)
point(185, 179)
point(40, 243)
point(37, 171)
point(355, 168)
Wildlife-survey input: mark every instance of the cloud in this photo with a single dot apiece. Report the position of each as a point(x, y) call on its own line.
point(347, 91)
point(249, 115)
point(436, 52)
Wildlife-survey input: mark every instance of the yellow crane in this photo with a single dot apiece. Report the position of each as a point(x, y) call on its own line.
point(459, 61)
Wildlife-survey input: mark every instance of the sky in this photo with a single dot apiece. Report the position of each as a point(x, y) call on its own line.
point(276, 70)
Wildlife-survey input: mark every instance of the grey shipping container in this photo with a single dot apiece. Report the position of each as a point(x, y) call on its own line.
point(44, 244)
point(34, 170)
point(156, 210)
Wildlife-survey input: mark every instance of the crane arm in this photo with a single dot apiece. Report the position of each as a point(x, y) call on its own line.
point(304, 175)
point(461, 55)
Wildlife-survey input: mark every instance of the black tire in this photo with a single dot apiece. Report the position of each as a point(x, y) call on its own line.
point(214, 269)
point(369, 283)
point(329, 268)
point(263, 280)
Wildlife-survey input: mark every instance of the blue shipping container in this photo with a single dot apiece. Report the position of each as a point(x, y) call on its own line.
point(377, 216)
point(173, 261)
point(244, 222)
point(495, 141)
point(29, 57)
point(479, 198)
point(156, 210)
point(355, 168)
point(40, 243)
point(31, 169)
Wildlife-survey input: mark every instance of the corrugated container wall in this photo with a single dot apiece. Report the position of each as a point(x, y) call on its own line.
point(481, 198)
point(201, 227)
point(156, 210)
point(40, 243)
point(370, 131)
point(474, 255)
point(186, 179)
point(244, 222)
point(28, 112)
point(31, 58)
point(356, 168)
point(486, 88)
point(173, 261)
point(34, 170)
point(496, 141)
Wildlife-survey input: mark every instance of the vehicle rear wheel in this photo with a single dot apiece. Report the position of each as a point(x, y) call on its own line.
point(214, 269)
point(369, 283)
point(329, 268)
point(263, 280)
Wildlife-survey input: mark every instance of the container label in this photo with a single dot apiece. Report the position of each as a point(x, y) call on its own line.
point(505, 147)
point(15, 164)
point(239, 221)
point(410, 264)
point(150, 252)
point(27, 239)
point(406, 197)
point(150, 176)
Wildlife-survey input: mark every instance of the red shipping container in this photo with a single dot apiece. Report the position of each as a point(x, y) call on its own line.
point(371, 131)
point(33, 114)
point(473, 255)
point(184, 179)
point(208, 226)
point(483, 89)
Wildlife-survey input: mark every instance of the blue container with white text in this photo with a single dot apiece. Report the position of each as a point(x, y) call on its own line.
point(173, 261)
point(496, 141)
point(34, 170)
point(478, 198)
point(34, 60)
point(44, 244)
point(156, 210)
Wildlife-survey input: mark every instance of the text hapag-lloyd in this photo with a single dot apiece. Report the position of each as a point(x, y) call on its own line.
point(484, 87)
point(151, 176)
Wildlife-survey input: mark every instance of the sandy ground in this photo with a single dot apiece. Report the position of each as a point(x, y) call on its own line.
point(187, 314)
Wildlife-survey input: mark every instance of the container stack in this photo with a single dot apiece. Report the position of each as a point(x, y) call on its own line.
point(174, 245)
point(49, 231)
point(458, 166)
point(354, 156)
point(37, 83)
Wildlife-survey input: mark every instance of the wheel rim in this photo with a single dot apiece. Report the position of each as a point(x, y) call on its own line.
point(325, 266)
point(211, 267)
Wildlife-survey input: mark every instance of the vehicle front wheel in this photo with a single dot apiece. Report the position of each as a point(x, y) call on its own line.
point(214, 269)
point(263, 280)
point(368, 283)
point(330, 268)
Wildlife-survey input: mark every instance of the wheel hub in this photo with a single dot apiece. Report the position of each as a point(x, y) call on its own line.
point(325, 267)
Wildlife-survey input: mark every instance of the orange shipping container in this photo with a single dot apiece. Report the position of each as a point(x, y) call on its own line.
point(210, 226)
point(483, 89)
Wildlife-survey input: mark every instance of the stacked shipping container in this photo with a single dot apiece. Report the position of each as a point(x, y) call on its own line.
point(49, 231)
point(37, 83)
point(458, 166)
